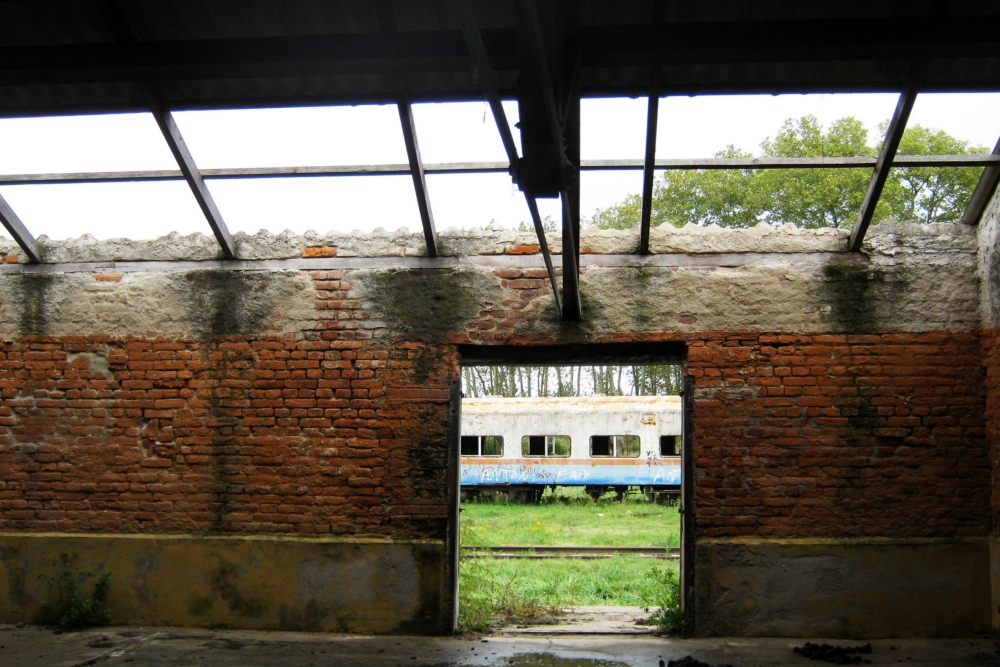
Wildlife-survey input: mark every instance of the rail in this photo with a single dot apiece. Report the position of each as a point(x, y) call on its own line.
point(666, 553)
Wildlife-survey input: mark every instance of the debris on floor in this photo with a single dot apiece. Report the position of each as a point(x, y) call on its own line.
point(688, 661)
point(838, 655)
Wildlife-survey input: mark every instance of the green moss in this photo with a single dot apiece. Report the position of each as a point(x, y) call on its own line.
point(853, 293)
point(226, 303)
point(224, 582)
point(32, 291)
point(425, 302)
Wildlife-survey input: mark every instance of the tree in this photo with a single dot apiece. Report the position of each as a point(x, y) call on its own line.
point(938, 194)
point(531, 381)
point(808, 197)
point(815, 197)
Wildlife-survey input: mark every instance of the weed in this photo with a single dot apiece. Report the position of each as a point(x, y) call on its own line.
point(72, 609)
point(668, 614)
point(488, 594)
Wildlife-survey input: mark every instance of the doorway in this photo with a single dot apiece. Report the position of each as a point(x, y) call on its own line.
point(568, 479)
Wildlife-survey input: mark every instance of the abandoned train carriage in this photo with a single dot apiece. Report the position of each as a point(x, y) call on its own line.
point(521, 445)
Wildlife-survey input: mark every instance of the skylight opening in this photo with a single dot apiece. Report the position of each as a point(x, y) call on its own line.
point(613, 128)
point(143, 210)
point(341, 204)
point(707, 126)
point(475, 201)
point(60, 144)
point(294, 136)
point(462, 132)
point(741, 198)
point(600, 190)
point(968, 117)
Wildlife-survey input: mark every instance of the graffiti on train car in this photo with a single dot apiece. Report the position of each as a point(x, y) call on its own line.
point(569, 474)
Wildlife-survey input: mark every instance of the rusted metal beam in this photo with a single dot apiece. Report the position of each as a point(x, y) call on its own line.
point(18, 231)
point(387, 24)
point(984, 191)
point(499, 167)
point(474, 42)
point(568, 175)
point(484, 72)
point(419, 179)
point(883, 164)
point(649, 165)
point(543, 75)
point(193, 176)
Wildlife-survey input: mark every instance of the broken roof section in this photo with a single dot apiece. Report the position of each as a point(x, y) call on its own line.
point(547, 54)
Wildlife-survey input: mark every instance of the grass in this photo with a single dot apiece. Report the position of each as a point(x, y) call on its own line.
point(569, 517)
point(498, 591)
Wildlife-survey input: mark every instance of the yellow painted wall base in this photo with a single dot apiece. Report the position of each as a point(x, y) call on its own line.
point(843, 588)
point(321, 584)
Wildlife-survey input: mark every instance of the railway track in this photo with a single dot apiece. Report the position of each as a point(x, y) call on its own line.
point(665, 553)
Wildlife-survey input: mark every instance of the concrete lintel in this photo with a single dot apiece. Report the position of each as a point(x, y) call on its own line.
point(496, 261)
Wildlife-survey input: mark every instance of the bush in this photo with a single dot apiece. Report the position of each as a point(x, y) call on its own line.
point(71, 609)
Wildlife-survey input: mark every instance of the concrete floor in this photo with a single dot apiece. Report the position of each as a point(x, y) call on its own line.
point(33, 646)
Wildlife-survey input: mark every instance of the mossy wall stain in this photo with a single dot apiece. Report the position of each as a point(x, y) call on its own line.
point(427, 303)
point(224, 582)
point(854, 294)
point(33, 292)
point(226, 303)
point(992, 288)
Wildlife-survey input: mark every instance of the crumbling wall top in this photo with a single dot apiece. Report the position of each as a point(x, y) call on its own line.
point(693, 239)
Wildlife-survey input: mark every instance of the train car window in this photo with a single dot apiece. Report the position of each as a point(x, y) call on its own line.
point(600, 445)
point(492, 445)
point(616, 446)
point(546, 445)
point(482, 445)
point(670, 445)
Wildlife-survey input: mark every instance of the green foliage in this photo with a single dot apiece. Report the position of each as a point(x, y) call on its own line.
point(548, 225)
point(668, 614)
point(808, 197)
point(815, 197)
point(931, 194)
point(71, 609)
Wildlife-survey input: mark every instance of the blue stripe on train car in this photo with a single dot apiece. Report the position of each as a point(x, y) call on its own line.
point(491, 474)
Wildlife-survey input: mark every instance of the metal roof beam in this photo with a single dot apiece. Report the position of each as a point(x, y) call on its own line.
point(649, 164)
point(474, 43)
point(387, 23)
point(883, 164)
point(172, 134)
point(571, 305)
point(18, 231)
point(417, 172)
point(985, 189)
point(652, 114)
point(860, 162)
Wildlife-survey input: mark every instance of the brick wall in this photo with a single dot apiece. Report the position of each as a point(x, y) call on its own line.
point(322, 432)
point(340, 428)
point(990, 342)
point(840, 435)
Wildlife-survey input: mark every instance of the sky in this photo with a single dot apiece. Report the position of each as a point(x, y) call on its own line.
point(689, 127)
